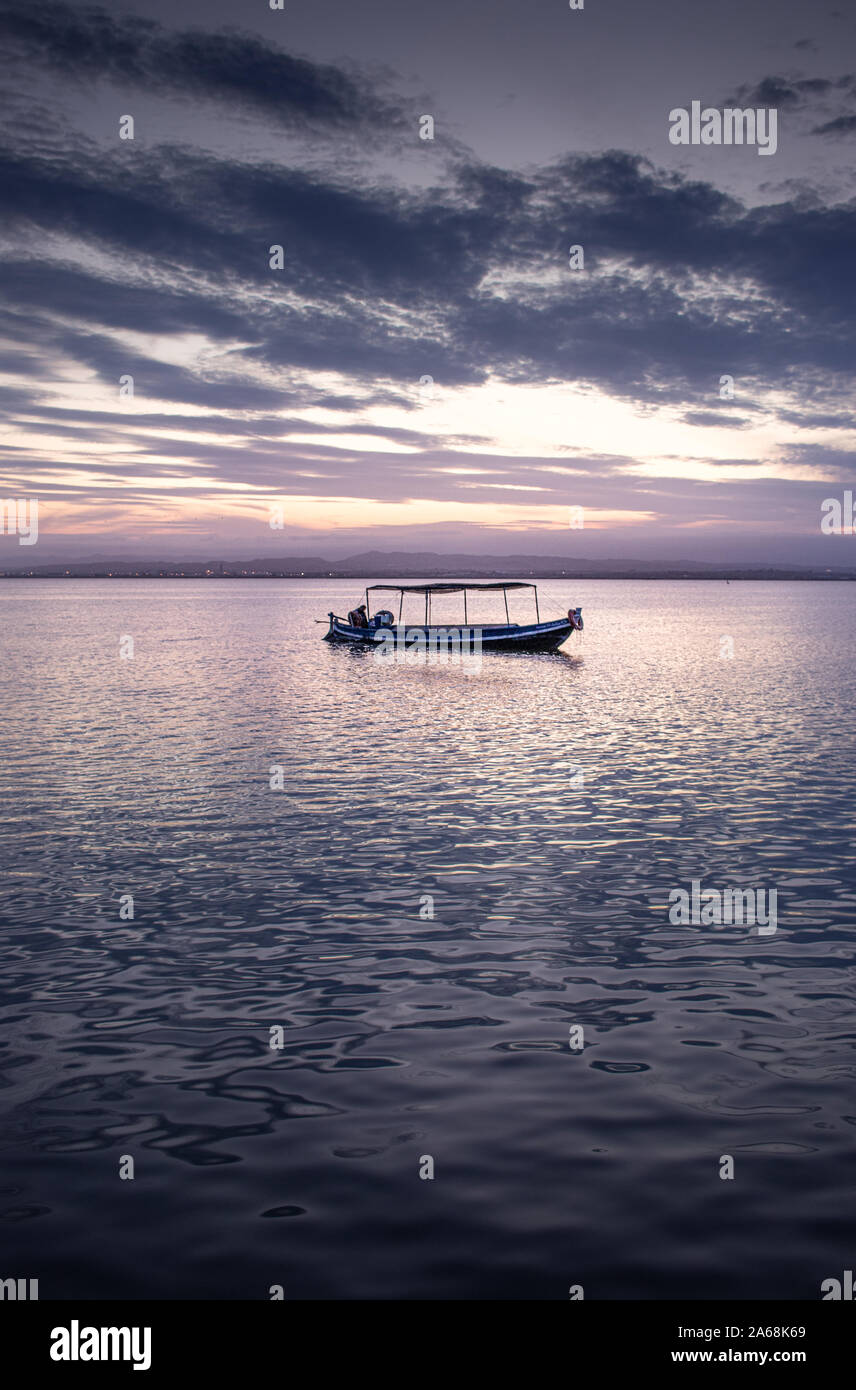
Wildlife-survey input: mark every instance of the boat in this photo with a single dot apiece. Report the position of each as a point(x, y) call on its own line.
point(384, 627)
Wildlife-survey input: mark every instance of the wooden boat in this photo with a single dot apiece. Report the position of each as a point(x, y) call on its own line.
point(383, 627)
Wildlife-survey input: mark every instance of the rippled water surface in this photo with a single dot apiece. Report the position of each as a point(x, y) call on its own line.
point(543, 807)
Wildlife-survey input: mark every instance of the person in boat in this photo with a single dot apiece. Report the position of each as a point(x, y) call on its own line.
point(357, 616)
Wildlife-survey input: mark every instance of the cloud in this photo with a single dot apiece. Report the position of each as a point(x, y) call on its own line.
point(386, 284)
point(154, 262)
point(791, 91)
point(716, 419)
point(842, 125)
point(806, 95)
point(230, 67)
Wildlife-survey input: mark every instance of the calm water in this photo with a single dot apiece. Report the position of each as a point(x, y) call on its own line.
point(548, 805)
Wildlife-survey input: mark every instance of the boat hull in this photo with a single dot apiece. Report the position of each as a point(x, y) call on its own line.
point(532, 637)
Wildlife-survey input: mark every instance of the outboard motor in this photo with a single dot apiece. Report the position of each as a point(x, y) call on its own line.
point(575, 618)
point(383, 619)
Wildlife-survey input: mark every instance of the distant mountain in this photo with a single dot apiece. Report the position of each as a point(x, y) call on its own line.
point(401, 564)
point(380, 564)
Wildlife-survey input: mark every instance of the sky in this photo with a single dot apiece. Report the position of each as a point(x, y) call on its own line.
point(426, 370)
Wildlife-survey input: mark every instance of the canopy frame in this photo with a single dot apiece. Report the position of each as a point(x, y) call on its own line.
point(430, 589)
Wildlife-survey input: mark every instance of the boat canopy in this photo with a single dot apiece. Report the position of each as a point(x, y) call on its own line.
point(445, 588)
point(430, 589)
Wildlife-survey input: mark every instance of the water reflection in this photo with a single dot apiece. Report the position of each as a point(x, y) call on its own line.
point(459, 867)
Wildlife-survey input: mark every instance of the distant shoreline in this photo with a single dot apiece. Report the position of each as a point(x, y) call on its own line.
point(768, 575)
point(400, 566)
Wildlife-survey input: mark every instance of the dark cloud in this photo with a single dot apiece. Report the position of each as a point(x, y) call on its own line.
point(239, 69)
point(810, 419)
point(807, 95)
point(839, 462)
point(842, 125)
point(709, 418)
point(386, 281)
point(790, 91)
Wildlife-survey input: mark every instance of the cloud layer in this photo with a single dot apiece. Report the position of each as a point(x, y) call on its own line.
point(123, 259)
